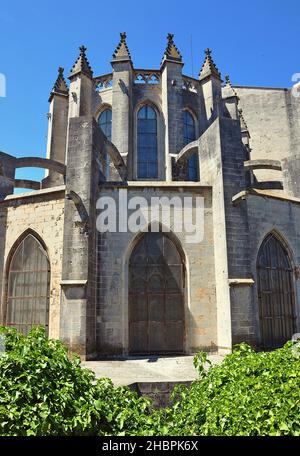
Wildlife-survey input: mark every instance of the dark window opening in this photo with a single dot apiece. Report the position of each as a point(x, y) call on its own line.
point(189, 135)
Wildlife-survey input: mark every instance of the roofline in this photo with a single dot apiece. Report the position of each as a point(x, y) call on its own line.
point(43, 191)
point(158, 70)
point(260, 87)
point(155, 184)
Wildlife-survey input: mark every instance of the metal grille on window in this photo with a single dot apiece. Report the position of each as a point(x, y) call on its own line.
point(275, 294)
point(156, 296)
point(189, 135)
point(28, 286)
point(147, 166)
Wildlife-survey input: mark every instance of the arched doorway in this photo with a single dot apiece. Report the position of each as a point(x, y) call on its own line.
point(275, 293)
point(156, 297)
point(28, 289)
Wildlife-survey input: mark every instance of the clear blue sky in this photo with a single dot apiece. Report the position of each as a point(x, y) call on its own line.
point(256, 42)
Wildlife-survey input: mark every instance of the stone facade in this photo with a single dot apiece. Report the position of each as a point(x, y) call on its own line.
point(246, 143)
point(41, 213)
point(200, 297)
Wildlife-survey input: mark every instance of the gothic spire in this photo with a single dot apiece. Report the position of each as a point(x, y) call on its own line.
point(82, 64)
point(209, 68)
point(60, 85)
point(122, 52)
point(171, 52)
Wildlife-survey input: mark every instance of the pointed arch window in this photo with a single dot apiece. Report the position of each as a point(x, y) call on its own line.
point(28, 290)
point(105, 122)
point(276, 295)
point(147, 164)
point(189, 135)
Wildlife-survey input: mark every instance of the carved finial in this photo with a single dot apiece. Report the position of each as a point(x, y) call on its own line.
point(228, 90)
point(122, 51)
point(244, 126)
point(209, 68)
point(60, 86)
point(82, 64)
point(171, 52)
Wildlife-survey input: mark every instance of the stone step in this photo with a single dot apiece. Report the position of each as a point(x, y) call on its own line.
point(128, 371)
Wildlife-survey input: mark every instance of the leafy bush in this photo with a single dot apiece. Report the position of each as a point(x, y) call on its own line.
point(43, 392)
point(248, 394)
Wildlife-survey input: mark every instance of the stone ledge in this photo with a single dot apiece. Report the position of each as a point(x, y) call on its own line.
point(132, 184)
point(264, 193)
point(241, 282)
point(263, 164)
point(43, 191)
point(72, 283)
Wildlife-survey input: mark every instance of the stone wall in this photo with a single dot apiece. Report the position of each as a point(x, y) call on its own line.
point(291, 173)
point(43, 214)
point(266, 214)
point(221, 156)
point(270, 116)
point(79, 271)
point(114, 254)
point(7, 173)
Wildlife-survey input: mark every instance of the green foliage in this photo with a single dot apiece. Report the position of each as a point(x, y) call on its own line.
point(44, 392)
point(248, 394)
point(201, 362)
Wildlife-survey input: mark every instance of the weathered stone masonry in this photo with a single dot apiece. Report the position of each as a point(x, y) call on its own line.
point(235, 146)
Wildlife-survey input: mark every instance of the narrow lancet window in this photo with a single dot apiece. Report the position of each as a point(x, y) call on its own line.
point(147, 165)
